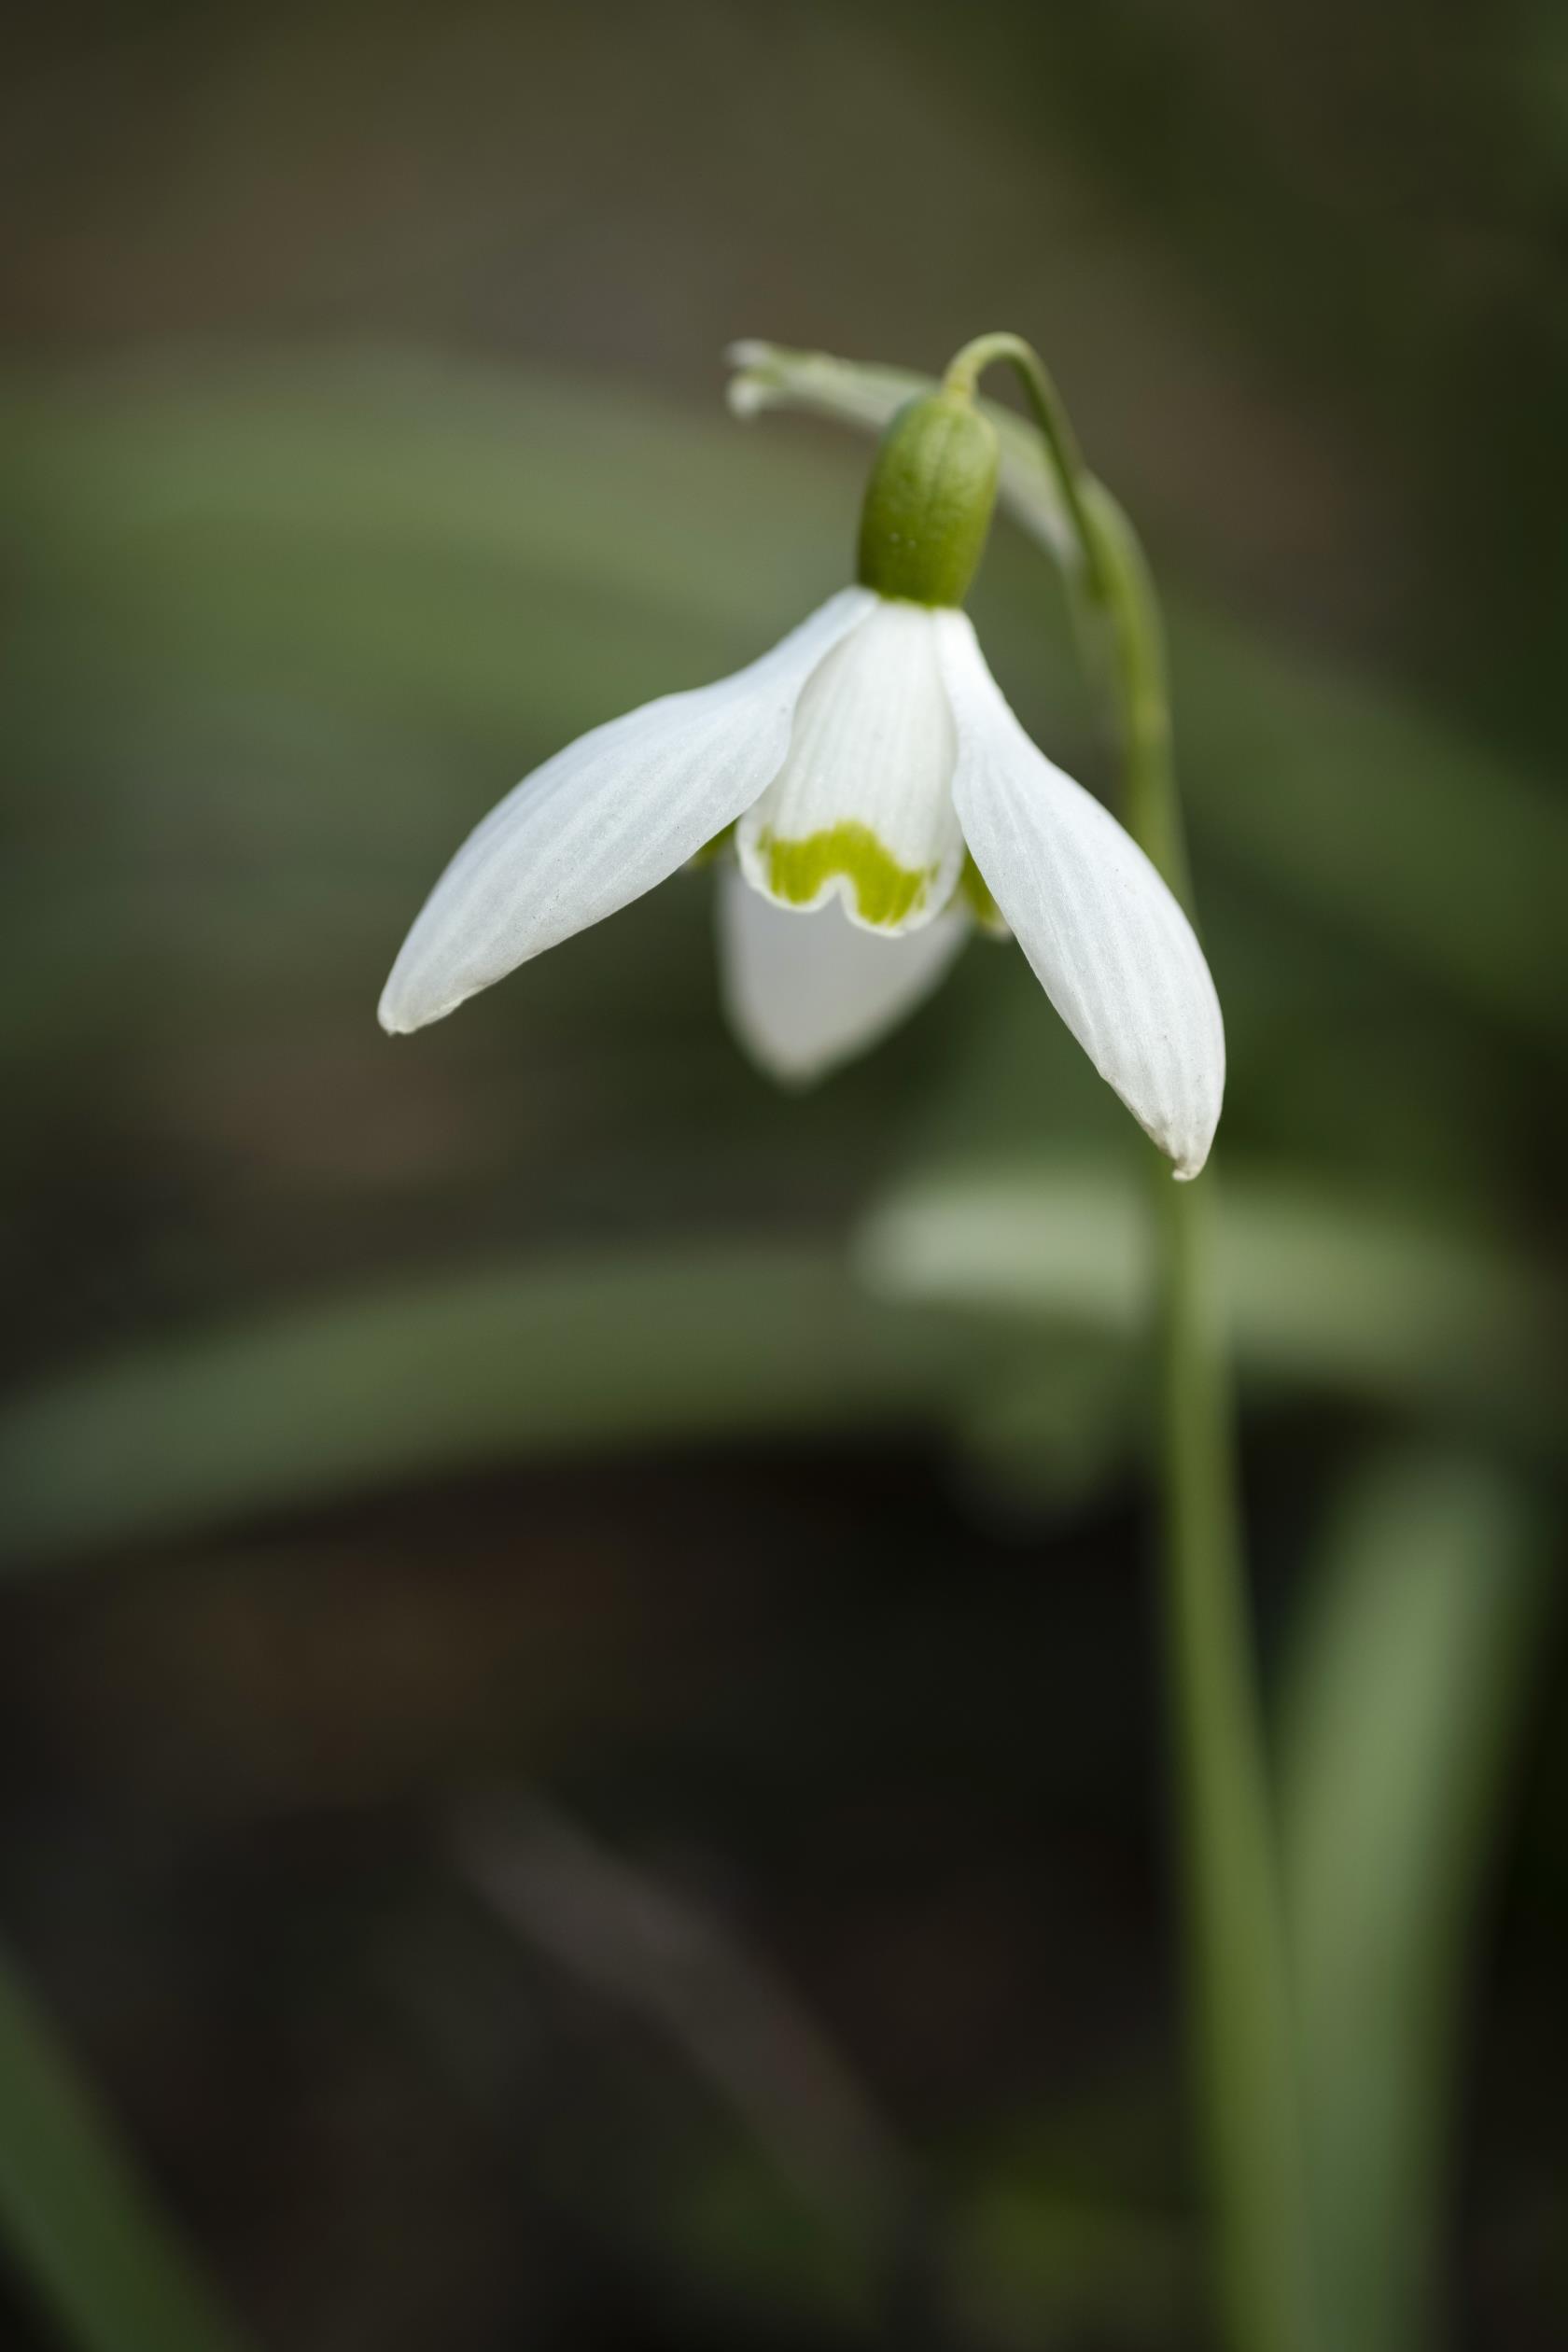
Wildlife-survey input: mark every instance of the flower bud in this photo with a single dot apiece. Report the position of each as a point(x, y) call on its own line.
point(928, 504)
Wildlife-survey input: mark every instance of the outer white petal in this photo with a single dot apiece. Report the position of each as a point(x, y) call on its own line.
point(606, 820)
point(1106, 939)
point(805, 991)
point(862, 809)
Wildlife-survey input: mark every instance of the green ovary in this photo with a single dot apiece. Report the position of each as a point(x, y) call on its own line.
point(885, 891)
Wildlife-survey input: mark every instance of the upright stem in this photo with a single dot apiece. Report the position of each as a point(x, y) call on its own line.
point(1238, 2004)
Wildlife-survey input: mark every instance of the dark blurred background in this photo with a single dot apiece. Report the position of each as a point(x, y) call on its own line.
point(579, 1715)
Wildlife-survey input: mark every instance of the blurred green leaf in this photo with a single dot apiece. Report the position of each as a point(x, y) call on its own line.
point(75, 2220)
point(1333, 1293)
point(617, 1349)
point(1407, 1685)
point(1375, 814)
point(983, 1280)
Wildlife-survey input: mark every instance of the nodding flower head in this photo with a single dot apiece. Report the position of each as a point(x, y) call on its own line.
point(872, 798)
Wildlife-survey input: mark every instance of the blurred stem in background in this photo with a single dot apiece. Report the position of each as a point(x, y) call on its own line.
point(1409, 1671)
point(78, 2222)
point(1237, 1991)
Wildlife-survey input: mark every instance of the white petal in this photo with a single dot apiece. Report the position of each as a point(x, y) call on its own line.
point(805, 991)
point(862, 807)
point(1106, 939)
point(606, 820)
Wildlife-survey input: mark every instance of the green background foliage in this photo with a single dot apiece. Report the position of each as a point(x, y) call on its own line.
point(741, 1498)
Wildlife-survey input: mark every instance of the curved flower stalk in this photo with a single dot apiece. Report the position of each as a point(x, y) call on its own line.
point(1240, 2022)
point(873, 798)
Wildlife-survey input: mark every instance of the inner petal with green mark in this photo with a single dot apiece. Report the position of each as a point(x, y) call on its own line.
point(974, 891)
point(862, 807)
point(885, 893)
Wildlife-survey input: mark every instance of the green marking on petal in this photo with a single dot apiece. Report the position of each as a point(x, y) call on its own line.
point(885, 891)
point(975, 894)
point(711, 851)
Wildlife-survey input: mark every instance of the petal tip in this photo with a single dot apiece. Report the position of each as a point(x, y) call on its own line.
point(1192, 1162)
point(789, 1077)
point(398, 1016)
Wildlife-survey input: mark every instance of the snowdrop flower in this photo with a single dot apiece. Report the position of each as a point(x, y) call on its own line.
point(873, 798)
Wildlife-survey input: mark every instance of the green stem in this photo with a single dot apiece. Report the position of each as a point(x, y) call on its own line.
point(964, 371)
point(1237, 1993)
point(1241, 2032)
